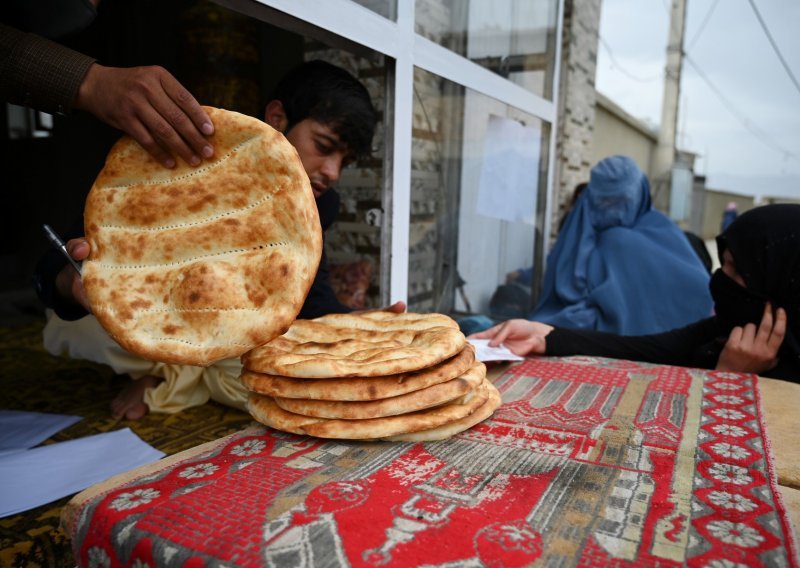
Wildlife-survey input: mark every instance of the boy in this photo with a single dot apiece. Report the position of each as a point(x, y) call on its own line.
point(327, 115)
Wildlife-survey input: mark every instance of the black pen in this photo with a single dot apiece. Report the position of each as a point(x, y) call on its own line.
point(56, 241)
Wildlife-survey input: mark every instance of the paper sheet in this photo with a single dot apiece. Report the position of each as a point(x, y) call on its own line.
point(22, 430)
point(510, 172)
point(485, 353)
point(34, 477)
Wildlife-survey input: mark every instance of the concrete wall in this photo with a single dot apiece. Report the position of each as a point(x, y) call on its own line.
point(617, 132)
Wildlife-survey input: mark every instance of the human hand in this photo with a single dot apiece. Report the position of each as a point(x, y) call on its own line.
point(68, 282)
point(751, 350)
point(151, 106)
point(521, 336)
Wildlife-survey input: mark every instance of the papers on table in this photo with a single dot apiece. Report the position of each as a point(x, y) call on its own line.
point(485, 353)
point(33, 477)
point(22, 430)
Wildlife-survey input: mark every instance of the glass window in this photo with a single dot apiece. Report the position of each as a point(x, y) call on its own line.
point(386, 8)
point(478, 191)
point(513, 38)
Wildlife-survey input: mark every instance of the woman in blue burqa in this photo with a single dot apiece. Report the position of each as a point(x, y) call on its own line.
point(619, 265)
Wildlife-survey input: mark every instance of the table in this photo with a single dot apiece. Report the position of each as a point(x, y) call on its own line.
point(588, 460)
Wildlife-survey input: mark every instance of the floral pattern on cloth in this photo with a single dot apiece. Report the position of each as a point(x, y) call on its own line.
point(350, 282)
point(588, 462)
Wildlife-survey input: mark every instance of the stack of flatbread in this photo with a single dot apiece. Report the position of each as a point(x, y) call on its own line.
point(376, 375)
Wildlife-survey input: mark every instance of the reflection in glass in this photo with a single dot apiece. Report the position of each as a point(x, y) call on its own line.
point(464, 241)
point(513, 38)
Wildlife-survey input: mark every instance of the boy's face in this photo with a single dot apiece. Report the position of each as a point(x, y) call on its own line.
point(322, 152)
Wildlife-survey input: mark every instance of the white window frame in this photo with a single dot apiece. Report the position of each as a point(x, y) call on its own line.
point(398, 41)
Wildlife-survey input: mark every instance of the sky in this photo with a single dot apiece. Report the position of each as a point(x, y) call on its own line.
point(745, 125)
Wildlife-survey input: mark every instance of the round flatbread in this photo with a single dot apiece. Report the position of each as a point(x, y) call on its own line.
point(388, 321)
point(265, 410)
point(403, 404)
point(194, 265)
point(359, 388)
point(311, 349)
point(449, 430)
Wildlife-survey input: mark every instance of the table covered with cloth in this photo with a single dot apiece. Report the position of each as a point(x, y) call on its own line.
point(588, 461)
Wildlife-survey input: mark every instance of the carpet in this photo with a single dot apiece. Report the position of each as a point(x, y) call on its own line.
point(33, 380)
point(588, 462)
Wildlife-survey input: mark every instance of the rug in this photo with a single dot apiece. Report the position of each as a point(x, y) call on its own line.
point(588, 462)
point(34, 380)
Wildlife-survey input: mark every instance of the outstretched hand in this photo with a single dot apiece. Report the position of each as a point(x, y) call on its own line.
point(754, 350)
point(521, 336)
point(68, 282)
point(151, 106)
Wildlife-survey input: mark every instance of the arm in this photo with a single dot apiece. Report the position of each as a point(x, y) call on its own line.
point(39, 73)
point(147, 103)
point(321, 299)
point(675, 347)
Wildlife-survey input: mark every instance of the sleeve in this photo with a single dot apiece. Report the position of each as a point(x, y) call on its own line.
point(44, 281)
point(321, 298)
point(685, 346)
point(38, 73)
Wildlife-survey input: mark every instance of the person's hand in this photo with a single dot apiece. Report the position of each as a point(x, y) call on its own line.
point(751, 350)
point(521, 336)
point(68, 282)
point(151, 106)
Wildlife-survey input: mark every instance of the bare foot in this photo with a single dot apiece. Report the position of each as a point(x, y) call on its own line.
point(129, 403)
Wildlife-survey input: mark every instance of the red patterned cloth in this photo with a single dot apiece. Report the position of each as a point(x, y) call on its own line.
point(588, 462)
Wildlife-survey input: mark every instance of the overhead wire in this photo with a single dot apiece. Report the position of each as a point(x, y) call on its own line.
point(775, 46)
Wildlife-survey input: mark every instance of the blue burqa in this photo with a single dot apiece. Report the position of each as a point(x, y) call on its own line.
point(619, 265)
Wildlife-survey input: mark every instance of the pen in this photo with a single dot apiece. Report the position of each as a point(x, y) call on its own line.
point(56, 241)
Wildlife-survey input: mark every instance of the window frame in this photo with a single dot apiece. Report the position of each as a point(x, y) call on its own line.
point(348, 25)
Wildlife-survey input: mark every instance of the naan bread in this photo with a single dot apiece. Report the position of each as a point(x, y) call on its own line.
point(359, 388)
point(194, 265)
point(388, 321)
point(403, 404)
point(265, 410)
point(453, 428)
point(314, 349)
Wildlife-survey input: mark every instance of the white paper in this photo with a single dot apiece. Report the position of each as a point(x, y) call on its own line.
point(34, 477)
point(22, 430)
point(510, 172)
point(485, 353)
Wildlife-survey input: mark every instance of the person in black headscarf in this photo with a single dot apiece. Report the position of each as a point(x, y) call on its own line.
point(756, 326)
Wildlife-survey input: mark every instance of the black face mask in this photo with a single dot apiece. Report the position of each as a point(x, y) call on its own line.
point(735, 305)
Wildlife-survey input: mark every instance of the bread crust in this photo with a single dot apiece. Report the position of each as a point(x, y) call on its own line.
point(195, 265)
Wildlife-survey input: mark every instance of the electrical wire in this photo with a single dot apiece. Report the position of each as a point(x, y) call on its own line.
point(702, 25)
point(775, 46)
point(738, 114)
point(620, 68)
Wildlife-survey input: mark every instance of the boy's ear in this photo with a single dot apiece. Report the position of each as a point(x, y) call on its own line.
point(275, 115)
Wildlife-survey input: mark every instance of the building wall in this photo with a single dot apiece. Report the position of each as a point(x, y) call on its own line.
point(615, 133)
point(577, 99)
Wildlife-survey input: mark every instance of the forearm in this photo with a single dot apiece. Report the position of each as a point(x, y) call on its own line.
point(39, 73)
point(675, 347)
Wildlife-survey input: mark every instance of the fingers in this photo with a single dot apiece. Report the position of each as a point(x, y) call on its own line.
point(501, 335)
point(778, 330)
point(78, 249)
point(486, 333)
point(398, 307)
point(182, 125)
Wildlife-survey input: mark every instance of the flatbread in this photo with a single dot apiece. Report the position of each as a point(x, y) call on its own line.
point(449, 430)
point(359, 388)
point(194, 265)
point(388, 321)
point(403, 404)
point(311, 349)
point(265, 410)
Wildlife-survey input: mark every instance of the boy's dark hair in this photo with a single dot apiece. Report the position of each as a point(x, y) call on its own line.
point(330, 95)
